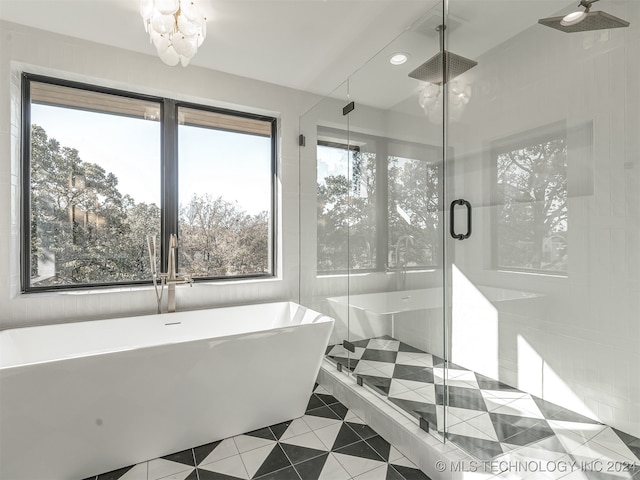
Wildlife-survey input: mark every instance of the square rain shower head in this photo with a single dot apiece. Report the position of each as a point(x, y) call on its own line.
point(432, 70)
point(594, 21)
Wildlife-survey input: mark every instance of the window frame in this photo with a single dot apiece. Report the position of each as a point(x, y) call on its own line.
point(169, 161)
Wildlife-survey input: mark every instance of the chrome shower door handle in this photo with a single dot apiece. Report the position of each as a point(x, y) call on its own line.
point(452, 228)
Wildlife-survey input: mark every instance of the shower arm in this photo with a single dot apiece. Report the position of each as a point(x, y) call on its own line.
point(441, 29)
point(587, 3)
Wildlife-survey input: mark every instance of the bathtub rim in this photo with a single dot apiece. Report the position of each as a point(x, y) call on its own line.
point(318, 319)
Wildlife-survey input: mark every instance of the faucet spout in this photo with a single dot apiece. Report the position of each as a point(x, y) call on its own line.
point(171, 277)
point(401, 261)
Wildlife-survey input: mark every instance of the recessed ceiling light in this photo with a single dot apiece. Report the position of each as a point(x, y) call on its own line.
point(398, 58)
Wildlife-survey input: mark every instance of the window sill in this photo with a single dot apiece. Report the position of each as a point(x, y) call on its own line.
point(144, 288)
point(88, 291)
point(536, 274)
point(239, 281)
point(364, 274)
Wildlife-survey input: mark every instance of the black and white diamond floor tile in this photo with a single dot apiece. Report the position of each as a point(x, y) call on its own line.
point(163, 468)
point(415, 359)
point(133, 472)
point(329, 442)
point(375, 368)
point(631, 442)
point(384, 343)
point(487, 418)
point(341, 352)
point(610, 446)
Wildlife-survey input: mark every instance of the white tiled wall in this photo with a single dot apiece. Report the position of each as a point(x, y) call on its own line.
point(35, 51)
point(582, 351)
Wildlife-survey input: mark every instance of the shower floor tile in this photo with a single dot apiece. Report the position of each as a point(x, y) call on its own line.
point(485, 417)
point(329, 442)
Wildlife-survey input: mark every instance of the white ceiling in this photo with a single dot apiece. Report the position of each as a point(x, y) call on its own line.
point(310, 45)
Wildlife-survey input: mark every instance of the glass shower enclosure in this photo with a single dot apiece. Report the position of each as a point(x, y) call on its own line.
point(471, 219)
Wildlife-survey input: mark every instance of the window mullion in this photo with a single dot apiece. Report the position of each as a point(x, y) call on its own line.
point(382, 205)
point(169, 159)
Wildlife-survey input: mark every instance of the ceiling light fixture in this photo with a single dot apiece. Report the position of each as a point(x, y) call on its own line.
point(398, 58)
point(176, 28)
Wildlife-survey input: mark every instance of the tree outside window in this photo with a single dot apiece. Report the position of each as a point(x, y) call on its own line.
point(368, 197)
point(414, 193)
point(346, 203)
point(532, 213)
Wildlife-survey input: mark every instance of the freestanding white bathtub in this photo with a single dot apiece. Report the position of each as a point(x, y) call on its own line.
point(85, 398)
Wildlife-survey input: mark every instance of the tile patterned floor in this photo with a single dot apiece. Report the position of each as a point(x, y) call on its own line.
point(486, 418)
point(329, 442)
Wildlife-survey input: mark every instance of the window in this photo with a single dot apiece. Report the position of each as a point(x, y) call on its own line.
point(414, 193)
point(225, 194)
point(371, 193)
point(531, 218)
point(346, 208)
point(102, 169)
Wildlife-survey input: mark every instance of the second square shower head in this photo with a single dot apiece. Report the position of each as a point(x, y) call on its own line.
point(584, 21)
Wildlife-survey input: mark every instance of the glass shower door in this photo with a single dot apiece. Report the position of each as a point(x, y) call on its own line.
point(395, 229)
point(325, 160)
point(372, 220)
point(543, 247)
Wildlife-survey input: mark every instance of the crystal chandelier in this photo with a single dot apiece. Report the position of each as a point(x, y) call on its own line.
point(176, 28)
